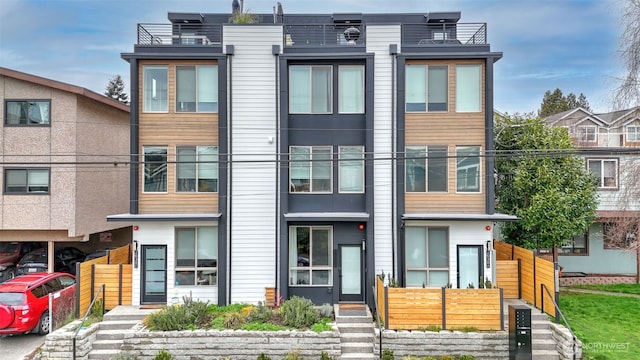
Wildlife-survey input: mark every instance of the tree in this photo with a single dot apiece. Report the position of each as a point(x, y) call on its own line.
point(555, 102)
point(115, 90)
point(543, 182)
point(627, 94)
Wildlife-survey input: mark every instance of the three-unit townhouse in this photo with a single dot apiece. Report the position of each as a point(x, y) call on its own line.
point(310, 153)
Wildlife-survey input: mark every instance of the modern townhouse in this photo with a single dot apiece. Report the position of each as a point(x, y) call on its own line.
point(64, 162)
point(310, 153)
point(609, 143)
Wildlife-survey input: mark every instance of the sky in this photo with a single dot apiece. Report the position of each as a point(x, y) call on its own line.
point(572, 45)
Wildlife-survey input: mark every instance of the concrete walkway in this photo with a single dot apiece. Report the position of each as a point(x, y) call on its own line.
point(598, 292)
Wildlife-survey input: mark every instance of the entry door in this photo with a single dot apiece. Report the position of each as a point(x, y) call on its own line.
point(350, 271)
point(469, 266)
point(154, 274)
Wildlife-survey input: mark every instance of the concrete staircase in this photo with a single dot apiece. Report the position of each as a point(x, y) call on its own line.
point(542, 343)
point(110, 335)
point(357, 335)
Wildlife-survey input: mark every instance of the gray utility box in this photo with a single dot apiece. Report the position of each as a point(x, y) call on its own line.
point(520, 332)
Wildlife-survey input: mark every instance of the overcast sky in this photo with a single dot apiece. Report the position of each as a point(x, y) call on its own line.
point(568, 44)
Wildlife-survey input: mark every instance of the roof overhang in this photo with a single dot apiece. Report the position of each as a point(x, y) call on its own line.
point(604, 215)
point(327, 216)
point(164, 217)
point(461, 217)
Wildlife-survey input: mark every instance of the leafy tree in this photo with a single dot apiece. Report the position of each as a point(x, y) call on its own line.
point(543, 182)
point(115, 90)
point(555, 102)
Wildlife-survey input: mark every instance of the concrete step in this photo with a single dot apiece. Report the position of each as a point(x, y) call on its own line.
point(356, 338)
point(118, 324)
point(542, 344)
point(358, 348)
point(545, 355)
point(356, 328)
point(128, 313)
point(103, 354)
point(110, 335)
point(354, 319)
point(106, 345)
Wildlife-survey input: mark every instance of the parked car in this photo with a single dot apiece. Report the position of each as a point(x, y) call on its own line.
point(24, 304)
point(37, 261)
point(10, 255)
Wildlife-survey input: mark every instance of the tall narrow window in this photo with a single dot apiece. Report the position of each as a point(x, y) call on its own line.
point(196, 256)
point(437, 88)
point(155, 168)
point(155, 88)
point(310, 249)
point(27, 112)
point(196, 88)
point(468, 169)
point(426, 88)
point(310, 169)
point(351, 91)
point(351, 169)
point(310, 89)
point(468, 88)
point(415, 164)
point(197, 169)
point(426, 256)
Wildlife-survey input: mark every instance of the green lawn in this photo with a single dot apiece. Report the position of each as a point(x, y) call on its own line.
point(608, 326)
point(622, 288)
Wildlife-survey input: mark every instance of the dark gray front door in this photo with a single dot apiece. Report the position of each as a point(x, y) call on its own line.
point(350, 273)
point(154, 274)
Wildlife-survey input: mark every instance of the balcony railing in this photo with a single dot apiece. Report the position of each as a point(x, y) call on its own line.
point(439, 34)
point(324, 35)
point(179, 34)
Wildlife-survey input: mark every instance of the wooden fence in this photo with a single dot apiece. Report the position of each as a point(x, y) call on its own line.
point(114, 271)
point(513, 262)
point(422, 308)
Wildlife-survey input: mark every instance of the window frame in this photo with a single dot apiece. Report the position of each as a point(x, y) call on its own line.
point(425, 149)
point(460, 89)
point(427, 86)
point(145, 99)
point(428, 269)
point(26, 191)
point(571, 249)
point(197, 168)
point(636, 133)
point(585, 132)
point(361, 100)
point(361, 164)
point(196, 85)
point(292, 186)
point(144, 168)
point(293, 243)
point(330, 85)
point(28, 103)
point(479, 172)
point(602, 180)
point(196, 268)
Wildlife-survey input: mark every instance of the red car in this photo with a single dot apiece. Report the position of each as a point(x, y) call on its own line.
point(24, 304)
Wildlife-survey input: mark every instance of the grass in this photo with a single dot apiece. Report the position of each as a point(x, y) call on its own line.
point(619, 288)
point(607, 325)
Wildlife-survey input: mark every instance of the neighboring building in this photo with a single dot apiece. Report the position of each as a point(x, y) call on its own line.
point(64, 161)
point(610, 143)
point(310, 153)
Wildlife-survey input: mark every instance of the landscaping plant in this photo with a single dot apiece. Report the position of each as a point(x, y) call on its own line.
point(163, 355)
point(299, 313)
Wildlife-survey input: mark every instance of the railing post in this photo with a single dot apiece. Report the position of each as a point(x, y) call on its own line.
point(444, 308)
point(386, 308)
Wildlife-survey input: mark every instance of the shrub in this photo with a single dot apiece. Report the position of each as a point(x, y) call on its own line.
point(321, 326)
point(410, 357)
point(170, 318)
point(233, 320)
point(325, 356)
point(258, 326)
point(434, 328)
point(326, 310)
point(466, 357)
point(259, 314)
point(447, 357)
point(294, 355)
point(163, 355)
point(387, 354)
point(299, 313)
point(262, 356)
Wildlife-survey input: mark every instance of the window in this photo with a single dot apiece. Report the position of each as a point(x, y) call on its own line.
point(310, 89)
point(310, 169)
point(351, 169)
point(426, 256)
point(633, 133)
point(426, 88)
point(27, 112)
point(197, 256)
point(587, 133)
point(155, 88)
point(468, 169)
point(155, 168)
point(426, 169)
point(619, 235)
point(310, 252)
point(468, 88)
point(578, 245)
point(197, 169)
point(197, 88)
point(605, 171)
point(351, 89)
point(26, 181)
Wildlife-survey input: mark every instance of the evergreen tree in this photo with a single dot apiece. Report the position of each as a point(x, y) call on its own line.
point(555, 102)
point(115, 90)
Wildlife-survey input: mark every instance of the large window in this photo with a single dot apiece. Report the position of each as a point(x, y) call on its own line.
point(577, 246)
point(310, 249)
point(426, 169)
point(310, 169)
point(633, 133)
point(197, 256)
point(605, 171)
point(587, 133)
point(197, 88)
point(468, 88)
point(27, 112)
point(426, 256)
point(197, 169)
point(468, 169)
point(351, 90)
point(426, 88)
point(155, 168)
point(310, 89)
point(26, 181)
point(155, 88)
point(351, 169)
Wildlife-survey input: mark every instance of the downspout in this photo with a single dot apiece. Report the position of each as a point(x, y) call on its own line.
point(276, 53)
point(393, 51)
point(229, 52)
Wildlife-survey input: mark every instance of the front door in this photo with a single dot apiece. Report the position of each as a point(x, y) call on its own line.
point(154, 274)
point(350, 273)
point(469, 266)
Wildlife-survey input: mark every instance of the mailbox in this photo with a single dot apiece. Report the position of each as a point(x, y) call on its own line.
point(520, 347)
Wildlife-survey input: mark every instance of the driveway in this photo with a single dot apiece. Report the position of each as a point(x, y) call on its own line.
point(17, 347)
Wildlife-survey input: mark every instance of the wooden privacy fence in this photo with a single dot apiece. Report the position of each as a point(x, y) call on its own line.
point(421, 308)
point(114, 271)
point(513, 262)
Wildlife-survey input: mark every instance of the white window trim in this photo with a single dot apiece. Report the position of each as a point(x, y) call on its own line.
point(197, 147)
point(636, 133)
point(425, 149)
point(480, 164)
point(363, 89)
point(197, 68)
point(426, 100)
point(330, 191)
point(195, 268)
point(311, 67)
point(601, 181)
point(428, 269)
point(142, 173)
point(340, 172)
point(586, 130)
point(311, 268)
point(144, 103)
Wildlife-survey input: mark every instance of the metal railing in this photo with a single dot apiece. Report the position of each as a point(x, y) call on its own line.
point(324, 35)
point(179, 34)
point(86, 315)
point(441, 34)
point(558, 312)
point(375, 301)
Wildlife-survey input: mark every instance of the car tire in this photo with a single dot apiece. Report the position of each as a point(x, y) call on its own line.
point(11, 273)
point(43, 325)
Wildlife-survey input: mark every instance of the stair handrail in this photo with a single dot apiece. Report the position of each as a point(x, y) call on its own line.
point(380, 326)
point(86, 315)
point(558, 312)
